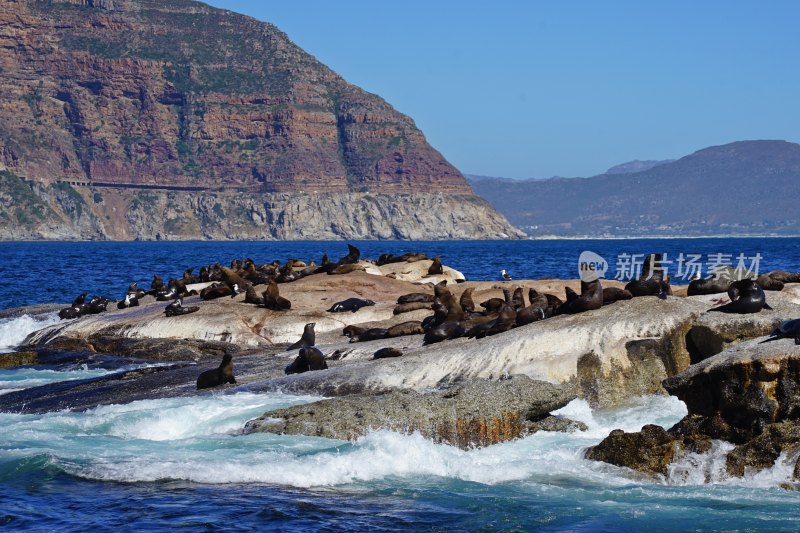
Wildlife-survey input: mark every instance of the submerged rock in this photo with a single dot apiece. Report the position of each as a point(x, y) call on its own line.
point(478, 413)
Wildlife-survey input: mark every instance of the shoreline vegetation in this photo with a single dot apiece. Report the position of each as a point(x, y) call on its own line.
point(410, 326)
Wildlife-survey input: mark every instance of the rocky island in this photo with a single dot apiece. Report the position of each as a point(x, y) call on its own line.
point(461, 390)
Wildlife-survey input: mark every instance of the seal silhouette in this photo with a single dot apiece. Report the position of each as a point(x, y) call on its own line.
point(218, 376)
point(308, 338)
point(310, 358)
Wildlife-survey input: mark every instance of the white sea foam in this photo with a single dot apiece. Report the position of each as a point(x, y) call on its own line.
point(197, 439)
point(24, 378)
point(14, 330)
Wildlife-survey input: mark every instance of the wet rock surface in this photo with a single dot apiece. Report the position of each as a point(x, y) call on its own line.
point(477, 413)
point(748, 395)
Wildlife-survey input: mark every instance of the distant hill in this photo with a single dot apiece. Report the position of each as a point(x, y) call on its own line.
point(636, 166)
point(742, 188)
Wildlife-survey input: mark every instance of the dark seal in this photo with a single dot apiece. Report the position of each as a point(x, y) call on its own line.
point(310, 358)
point(351, 304)
point(219, 376)
point(746, 297)
point(308, 338)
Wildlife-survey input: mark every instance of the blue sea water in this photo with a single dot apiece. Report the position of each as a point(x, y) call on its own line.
point(180, 463)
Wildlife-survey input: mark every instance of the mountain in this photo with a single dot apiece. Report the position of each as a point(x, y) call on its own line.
point(143, 119)
point(636, 166)
point(742, 188)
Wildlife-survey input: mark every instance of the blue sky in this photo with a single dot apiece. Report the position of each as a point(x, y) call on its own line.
point(535, 89)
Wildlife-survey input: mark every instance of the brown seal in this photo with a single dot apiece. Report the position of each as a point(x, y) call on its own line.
point(310, 358)
point(219, 376)
point(346, 269)
point(412, 327)
point(466, 302)
point(591, 298)
point(416, 297)
point(413, 306)
point(383, 353)
point(353, 331)
point(615, 294)
point(273, 300)
point(436, 267)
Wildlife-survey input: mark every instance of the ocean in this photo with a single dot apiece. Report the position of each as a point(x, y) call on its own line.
point(180, 463)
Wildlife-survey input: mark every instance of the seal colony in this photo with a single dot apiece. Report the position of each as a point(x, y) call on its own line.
point(411, 323)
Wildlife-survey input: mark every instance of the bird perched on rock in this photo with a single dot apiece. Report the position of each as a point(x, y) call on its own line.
point(505, 276)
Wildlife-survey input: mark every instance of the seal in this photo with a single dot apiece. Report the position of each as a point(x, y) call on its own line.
point(412, 327)
point(769, 283)
point(416, 297)
point(252, 297)
point(218, 376)
point(785, 277)
point(493, 305)
point(445, 330)
point(506, 319)
point(130, 301)
point(353, 331)
point(351, 304)
point(234, 280)
point(518, 299)
point(157, 285)
point(652, 281)
point(746, 297)
point(790, 329)
point(466, 302)
point(176, 308)
point(310, 358)
point(436, 267)
point(413, 306)
point(97, 305)
point(273, 300)
point(308, 338)
point(591, 298)
point(345, 269)
point(371, 334)
point(615, 294)
point(214, 291)
point(383, 353)
point(352, 255)
point(410, 257)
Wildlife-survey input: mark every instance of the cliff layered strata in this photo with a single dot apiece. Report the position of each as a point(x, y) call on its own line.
point(102, 97)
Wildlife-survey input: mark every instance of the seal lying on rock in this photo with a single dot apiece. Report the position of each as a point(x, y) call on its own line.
point(413, 306)
point(615, 294)
point(591, 298)
point(415, 297)
point(351, 304)
point(746, 297)
point(310, 358)
point(308, 338)
point(176, 308)
point(786, 330)
point(219, 376)
point(371, 334)
point(383, 353)
point(353, 331)
point(652, 281)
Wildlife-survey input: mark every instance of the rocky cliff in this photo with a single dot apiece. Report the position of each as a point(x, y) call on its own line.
point(141, 118)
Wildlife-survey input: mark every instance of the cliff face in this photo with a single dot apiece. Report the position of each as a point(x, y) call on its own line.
point(107, 98)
